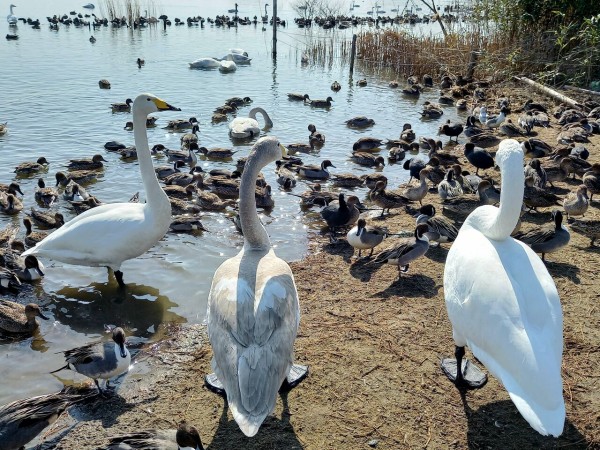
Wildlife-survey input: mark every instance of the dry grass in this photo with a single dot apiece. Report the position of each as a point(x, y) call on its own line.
point(132, 10)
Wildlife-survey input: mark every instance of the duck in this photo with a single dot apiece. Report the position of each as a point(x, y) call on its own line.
point(557, 170)
point(367, 159)
point(194, 176)
point(316, 138)
point(362, 82)
point(536, 148)
point(449, 187)
point(122, 107)
point(431, 111)
point(535, 197)
point(462, 206)
point(509, 129)
point(8, 234)
point(488, 193)
point(319, 172)
point(591, 180)
point(387, 199)
point(444, 158)
point(122, 231)
point(411, 91)
point(484, 140)
point(407, 134)
point(315, 195)
point(189, 138)
point(364, 237)
point(26, 268)
point(366, 144)
point(19, 319)
point(524, 349)
point(32, 237)
point(589, 228)
point(209, 201)
point(405, 251)
point(167, 170)
point(360, 122)
point(340, 215)
point(547, 239)
point(9, 204)
point(269, 301)
point(100, 360)
point(496, 121)
point(184, 437)
point(247, 127)
point(81, 206)
point(77, 176)
point(437, 173)
point(23, 420)
point(3, 128)
point(181, 124)
point(348, 180)
point(320, 103)
point(104, 84)
point(27, 168)
point(186, 155)
point(451, 129)
point(576, 203)
point(186, 224)
point(295, 96)
point(46, 220)
point(336, 86)
point(471, 129)
point(237, 58)
point(93, 163)
point(396, 154)
point(478, 157)
point(180, 192)
point(535, 170)
point(417, 193)
point(440, 230)
point(371, 179)
point(46, 196)
point(301, 148)
point(263, 197)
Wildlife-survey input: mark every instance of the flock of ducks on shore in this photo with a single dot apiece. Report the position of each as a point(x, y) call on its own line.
point(136, 227)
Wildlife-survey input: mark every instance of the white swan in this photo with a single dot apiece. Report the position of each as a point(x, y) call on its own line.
point(253, 312)
point(11, 18)
point(110, 234)
point(504, 305)
point(237, 58)
point(227, 66)
point(205, 63)
point(245, 127)
point(238, 51)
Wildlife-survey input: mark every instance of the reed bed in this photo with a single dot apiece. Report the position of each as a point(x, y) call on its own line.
point(130, 10)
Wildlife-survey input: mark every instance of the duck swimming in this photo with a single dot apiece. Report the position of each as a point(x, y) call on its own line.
point(19, 319)
point(524, 350)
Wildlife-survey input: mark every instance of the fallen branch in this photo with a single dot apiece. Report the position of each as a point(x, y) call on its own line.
point(551, 93)
point(584, 91)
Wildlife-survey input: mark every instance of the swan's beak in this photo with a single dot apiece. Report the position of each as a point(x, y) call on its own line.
point(164, 106)
point(284, 151)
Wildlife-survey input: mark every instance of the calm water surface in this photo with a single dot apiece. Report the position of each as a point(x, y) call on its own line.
point(55, 109)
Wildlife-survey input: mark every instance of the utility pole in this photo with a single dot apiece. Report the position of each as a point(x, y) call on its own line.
point(274, 53)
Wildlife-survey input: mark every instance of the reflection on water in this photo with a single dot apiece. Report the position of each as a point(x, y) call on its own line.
point(55, 109)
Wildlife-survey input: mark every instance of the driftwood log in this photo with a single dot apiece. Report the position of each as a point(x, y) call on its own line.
point(552, 93)
point(583, 91)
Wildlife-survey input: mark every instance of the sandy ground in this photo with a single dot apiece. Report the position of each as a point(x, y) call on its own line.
point(373, 343)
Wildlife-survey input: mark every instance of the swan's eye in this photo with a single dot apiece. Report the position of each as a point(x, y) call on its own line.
point(149, 99)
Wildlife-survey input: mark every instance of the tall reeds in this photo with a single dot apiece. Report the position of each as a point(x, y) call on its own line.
point(130, 10)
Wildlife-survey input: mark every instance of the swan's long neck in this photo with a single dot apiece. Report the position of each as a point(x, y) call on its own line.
point(267, 119)
point(155, 196)
point(11, 9)
point(255, 235)
point(511, 199)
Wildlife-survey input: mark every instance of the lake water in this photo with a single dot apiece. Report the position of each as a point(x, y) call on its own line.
point(55, 109)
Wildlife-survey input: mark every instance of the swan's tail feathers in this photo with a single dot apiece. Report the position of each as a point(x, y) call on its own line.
point(544, 421)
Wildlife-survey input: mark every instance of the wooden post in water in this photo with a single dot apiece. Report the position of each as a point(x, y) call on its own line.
point(472, 63)
point(274, 52)
point(352, 55)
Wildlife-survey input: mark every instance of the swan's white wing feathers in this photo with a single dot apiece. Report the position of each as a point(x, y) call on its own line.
point(244, 125)
point(504, 305)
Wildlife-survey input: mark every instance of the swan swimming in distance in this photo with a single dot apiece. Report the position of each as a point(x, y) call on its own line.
point(112, 233)
point(247, 127)
point(504, 305)
point(205, 63)
point(253, 312)
point(11, 18)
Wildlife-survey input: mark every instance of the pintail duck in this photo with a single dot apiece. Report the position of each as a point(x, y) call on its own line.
point(557, 170)
point(180, 207)
point(315, 196)
point(22, 420)
point(3, 128)
point(547, 239)
point(165, 171)
point(223, 185)
point(371, 179)
point(488, 193)
point(348, 180)
point(576, 203)
point(484, 139)
point(194, 176)
point(212, 202)
point(591, 180)
point(362, 82)
point(572, 135)
point(530, 105)
point(32, 237)
point(46, 220)
point(340, 215)
point(396, 154)
point(431, 111)
point(316, 172)
point(407, 133)
point(316, 138)
point(181, 124)
point(301, 148)
point(366, 144)
point(589, 228)
point(45, 195)
point(74, 191)
point(462, 206)
point(335, 86)
point(411, 91)
point(320, 103)
point(535, 170)
point(449, 188)
point(8, 234)
point(9, 204)
point(187, 155)
point(360, 122)
point(263, 197)
point(478, 157)
point(364, 237)
point(441, 229)
point(9, 281)
point(526, 122)
point(87, 163)
point(122, 107)
point(367, 159)
point(189, 138)
point(418, 192)
point(445, 159)
point(225, 109)
point(185, 437)
point(186, 224)
point(101, 360)
point(12, 188)
point(535, 197)
point(217, 152)
point(406, 251)
point(387, 199)
point(238, 101)
point(27, 168)
point(180, 192)
point(19, 319)
point(26, 269)
point(78, 176)
point(509, 129)
point(298, 97)
point(536, 148)
point(451, 129)
point(496, 121)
